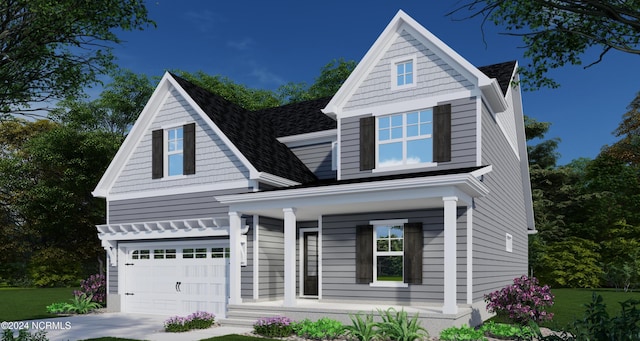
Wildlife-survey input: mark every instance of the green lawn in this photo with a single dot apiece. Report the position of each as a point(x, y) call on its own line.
point(28, 304)
point(236, 337)
point(569, 303)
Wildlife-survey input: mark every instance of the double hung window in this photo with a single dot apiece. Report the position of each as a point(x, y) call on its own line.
point(405, 139)
point(388, 253)
point(175, 156)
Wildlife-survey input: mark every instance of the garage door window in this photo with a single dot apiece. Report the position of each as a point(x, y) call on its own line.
point(164, 254)
point(220, 252)
point(194, 253)
point(141, 254)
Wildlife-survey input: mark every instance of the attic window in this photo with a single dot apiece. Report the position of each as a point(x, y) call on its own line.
point(403, 73)
point(175, 138)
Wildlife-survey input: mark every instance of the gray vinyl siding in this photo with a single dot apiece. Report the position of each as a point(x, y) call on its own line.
point(339, 258)
point(501, 211)
point(463, 142)
point(317, 158)
point(271, 258)
point(170, 207)
point(113, 278)
point(434, 76)
point(215, 163)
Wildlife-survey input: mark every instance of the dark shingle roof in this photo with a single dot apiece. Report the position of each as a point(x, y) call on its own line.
point(502, 72)
point(298, 118)
point(254, 137)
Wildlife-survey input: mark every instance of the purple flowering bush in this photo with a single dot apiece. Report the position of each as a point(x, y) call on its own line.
point(96, 287)
point(522, 302)
point(277, 326)
point(197, 320)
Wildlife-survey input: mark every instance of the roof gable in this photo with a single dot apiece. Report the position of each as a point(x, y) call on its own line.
point(403, 22)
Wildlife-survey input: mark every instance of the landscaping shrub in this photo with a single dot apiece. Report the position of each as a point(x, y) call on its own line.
point(462, 333)
point(94, 286)
point(278, 326)
point(24, 335)
point(323, 329)
point(397, 326)
point(54, 267)
point(598, 325)
point(507, 331)
point(363, 329)
point(80, 304)
point(197, 320)
point(523, 302)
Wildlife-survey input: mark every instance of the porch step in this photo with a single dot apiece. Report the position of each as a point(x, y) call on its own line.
point(246, 316)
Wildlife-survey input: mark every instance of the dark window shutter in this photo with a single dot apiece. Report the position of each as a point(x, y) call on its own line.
point(189, 157)
point(364, 254)
point(442, 133)
point(157, 154)
point(367, 143)
point(413, 244)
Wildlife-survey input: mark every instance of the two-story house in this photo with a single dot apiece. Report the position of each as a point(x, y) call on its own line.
point(408, 188)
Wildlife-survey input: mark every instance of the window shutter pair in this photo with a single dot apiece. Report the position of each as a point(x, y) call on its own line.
point(441, 138)
point(413, 245)
point(188, 151)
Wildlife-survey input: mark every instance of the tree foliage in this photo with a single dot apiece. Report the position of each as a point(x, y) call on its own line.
point(558, 33)
point(331, 78)
point(627, 149)
point(52, 49)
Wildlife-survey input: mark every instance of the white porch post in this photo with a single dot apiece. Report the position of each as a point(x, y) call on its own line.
point(289, 257)
point(450, 264)
point(235, 226)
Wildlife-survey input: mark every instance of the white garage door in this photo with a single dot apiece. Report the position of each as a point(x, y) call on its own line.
point(176, 278)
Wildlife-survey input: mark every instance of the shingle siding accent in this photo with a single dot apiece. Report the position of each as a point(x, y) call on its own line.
point(435, 77)
point(339, 258)
point(169, 207)
point(463, 142)
point(317, 158)
point(501, 211)
point(215, 161)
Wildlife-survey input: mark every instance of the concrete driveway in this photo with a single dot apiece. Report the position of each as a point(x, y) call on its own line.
point(133, 326)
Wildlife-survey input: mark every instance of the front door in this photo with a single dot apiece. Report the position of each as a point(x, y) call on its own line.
point(310, 267)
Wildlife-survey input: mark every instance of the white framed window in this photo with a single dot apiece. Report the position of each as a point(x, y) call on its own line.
point(174, 151)
point(404, 139)
point(509, 242)
point(403, 73)
point(388, 252)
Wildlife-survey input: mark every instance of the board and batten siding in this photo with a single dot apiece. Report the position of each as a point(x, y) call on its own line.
point(317, 158)
point(339, 259)
point(270, 258)
point(434, 76)
point(463, 142)
point(502, 211)
point(215, 163)
point(170, 207)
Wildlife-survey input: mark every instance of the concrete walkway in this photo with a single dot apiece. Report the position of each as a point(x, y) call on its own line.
point(132, 326)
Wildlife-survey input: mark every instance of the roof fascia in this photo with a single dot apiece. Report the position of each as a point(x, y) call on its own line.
point(316, 137)
point(275, 180)
point(402, 20)
point(133, 138)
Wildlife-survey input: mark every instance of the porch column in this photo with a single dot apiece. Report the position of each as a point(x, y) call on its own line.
point(289, 257)
point(235, 280)
point(450, 264)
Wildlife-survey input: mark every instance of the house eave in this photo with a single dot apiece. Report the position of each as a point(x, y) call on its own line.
point(494, 97)
point(274, 180)
point(316, 137)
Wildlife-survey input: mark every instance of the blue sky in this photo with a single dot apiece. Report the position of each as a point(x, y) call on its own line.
point(264, 44)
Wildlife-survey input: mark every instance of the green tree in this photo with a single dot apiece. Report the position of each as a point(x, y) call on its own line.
point(52, 49)
point(251, 99)
point(115, 110)
point(558, 32)
point(572, 263)
point(331, 78)
point(627, 149)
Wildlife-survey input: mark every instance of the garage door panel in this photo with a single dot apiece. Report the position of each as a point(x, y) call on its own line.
point(181, 280)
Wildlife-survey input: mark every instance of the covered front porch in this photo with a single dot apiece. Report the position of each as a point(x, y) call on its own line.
point(447, 193)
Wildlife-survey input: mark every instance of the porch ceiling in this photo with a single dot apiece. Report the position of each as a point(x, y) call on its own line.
point(388, 195)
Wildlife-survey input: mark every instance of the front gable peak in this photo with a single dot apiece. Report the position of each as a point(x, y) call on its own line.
point(407, 60)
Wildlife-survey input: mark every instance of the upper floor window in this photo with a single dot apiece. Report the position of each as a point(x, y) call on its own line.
point(404, 73)
point(404, 139)
point(175, 155)
point(173, 151)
